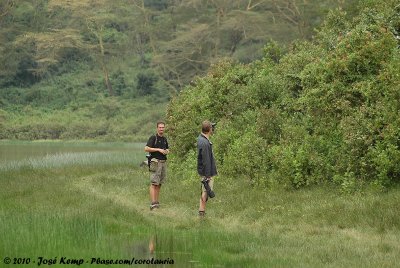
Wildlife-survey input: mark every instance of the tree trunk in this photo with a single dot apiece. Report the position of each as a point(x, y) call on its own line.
point(140, 49)
point(107, 80)
point(104, 67)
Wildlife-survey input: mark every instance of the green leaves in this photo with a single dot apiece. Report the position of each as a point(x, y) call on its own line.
point(326, 111)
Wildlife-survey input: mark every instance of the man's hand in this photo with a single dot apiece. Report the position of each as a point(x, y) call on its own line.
point(165, 152)
point(204, 179)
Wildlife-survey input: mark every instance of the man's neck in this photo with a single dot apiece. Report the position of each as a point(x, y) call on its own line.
point(207, 135)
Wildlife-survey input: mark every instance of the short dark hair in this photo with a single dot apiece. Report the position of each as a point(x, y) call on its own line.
point(206, 126)
point(160, 123)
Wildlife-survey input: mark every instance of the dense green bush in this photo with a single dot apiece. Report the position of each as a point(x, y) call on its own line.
point(326, 111)
point(146, 83)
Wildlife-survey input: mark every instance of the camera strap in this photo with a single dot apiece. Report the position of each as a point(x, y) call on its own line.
point(155, 142)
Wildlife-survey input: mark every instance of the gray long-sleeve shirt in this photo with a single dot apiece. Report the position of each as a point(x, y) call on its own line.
point(205, 158)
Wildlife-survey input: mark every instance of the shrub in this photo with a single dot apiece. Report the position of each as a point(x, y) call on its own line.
point(327, 111)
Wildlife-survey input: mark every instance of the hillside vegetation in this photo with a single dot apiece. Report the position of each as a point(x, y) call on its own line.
point(105, 69)
point(325, 111)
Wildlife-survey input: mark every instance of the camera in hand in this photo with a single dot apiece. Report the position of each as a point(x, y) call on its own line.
point(210, 192)
point(149, 157)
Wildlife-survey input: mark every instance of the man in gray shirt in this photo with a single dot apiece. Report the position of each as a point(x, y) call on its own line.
point(205, 162)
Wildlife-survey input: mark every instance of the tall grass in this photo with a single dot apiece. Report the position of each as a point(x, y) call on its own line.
point(59, 160)
point(50, 233)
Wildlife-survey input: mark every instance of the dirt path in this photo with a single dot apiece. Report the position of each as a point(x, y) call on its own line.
point(133, 199)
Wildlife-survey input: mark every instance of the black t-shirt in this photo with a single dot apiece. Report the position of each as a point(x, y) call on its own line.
point(160, 142)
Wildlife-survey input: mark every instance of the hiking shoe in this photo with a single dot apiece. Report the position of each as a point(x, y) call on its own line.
point(155, 205)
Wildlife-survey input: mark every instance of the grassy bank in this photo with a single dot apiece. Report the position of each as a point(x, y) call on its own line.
point(95, 204)
point(106, 119)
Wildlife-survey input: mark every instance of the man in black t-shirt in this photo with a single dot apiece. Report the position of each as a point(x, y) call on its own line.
point(157, 146)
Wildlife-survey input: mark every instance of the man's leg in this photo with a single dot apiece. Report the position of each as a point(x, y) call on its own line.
point(204, 197)
point(203, 200)
point(157, 192)
point(154, 187)
point(154, 190)
point(161, 179)
point(153, 193)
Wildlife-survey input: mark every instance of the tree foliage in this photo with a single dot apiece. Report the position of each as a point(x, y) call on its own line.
point(69, 55)
point(326, 111)
point(179, 39)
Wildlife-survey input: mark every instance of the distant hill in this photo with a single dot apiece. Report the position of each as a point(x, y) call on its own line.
point(75, 57)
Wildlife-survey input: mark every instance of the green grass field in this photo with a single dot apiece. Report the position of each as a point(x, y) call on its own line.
point(94, 204)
